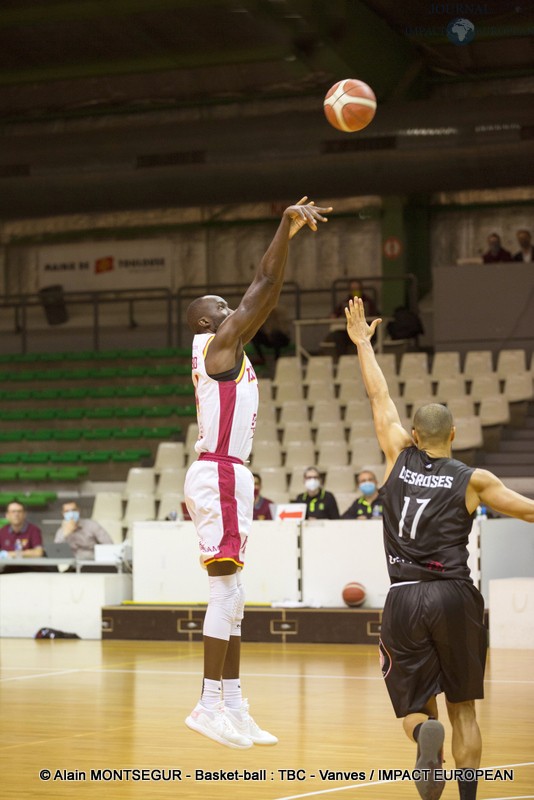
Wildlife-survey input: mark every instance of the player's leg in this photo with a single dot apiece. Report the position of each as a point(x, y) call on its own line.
point(462, 642)
point(411, 670)
point(209, 717)
point(466, 743)
point(236, 706)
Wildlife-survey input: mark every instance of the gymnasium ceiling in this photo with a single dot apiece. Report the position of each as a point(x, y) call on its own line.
point(67, 63)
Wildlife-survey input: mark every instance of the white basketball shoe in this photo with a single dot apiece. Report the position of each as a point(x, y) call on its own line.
point(247, 727)
point(216, 725)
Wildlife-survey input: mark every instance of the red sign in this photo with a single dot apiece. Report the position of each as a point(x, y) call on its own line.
point(392, 247)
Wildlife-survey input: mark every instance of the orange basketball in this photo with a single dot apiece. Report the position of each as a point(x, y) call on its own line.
point(354, 594)
point(350, 105)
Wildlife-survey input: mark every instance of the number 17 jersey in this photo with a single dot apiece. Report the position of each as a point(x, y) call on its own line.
point(426, 522)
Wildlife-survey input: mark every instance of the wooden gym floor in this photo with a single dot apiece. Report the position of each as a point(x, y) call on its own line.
point(77, 706)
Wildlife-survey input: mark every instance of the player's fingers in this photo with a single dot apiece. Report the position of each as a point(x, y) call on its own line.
point(302, 201)
point(374, 325)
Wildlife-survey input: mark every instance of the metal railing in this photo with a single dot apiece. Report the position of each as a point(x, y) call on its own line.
point(21, 304)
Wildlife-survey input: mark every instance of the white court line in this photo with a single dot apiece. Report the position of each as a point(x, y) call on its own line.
point(40, 675)
point(277, 675)
point(382, 783)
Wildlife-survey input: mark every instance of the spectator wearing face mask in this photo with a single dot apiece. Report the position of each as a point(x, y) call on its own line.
point(81, 534)
point(320, 503)
point(368, 505)
point(262, 504)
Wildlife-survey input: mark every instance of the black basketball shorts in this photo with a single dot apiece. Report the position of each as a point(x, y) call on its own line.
point(433, 640)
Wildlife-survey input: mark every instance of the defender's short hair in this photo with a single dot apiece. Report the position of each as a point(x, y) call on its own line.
point(433, 423)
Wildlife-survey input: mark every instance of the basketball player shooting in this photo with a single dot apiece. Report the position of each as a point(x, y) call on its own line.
point(433, 638)
point(219, 489)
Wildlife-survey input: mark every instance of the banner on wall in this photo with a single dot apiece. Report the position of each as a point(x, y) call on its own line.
point(101, 266)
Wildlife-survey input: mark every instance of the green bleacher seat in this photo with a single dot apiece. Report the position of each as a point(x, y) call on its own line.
point(34, 474)
point(102, 392)
point(96, 456)
point(160, 391)
point(129, 433)
point(49, 374)
point(159, 411)
point(34, 458)
point(187, 411)
point(46, 394)
point(135, 353)
point(12, 415)
point(130, 391)
point(162, 433)
point(104, 373)
point(10, 458)
point(68, 435)
point(129, 412)
point(30, 499)
point(12, 436)
point(40, 435)
point(74, 393)
point(42, 414)
point(65, 457)
point(102, 412)
point(163, 370)
point(68, 473)
point(8, 474)
point(98, 434)
point(16, 395)
point(107, 355)
point(22, 375)
point(131, 455)
point(72, 413)
point(58, 358)
point(81, 374)
point(132, 372)
point(183, 389)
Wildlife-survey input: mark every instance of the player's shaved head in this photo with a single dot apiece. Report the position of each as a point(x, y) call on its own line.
point(433, 424)
point(204, 313)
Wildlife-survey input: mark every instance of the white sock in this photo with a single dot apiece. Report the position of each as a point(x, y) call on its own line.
point(211, 693)
point(232, 693)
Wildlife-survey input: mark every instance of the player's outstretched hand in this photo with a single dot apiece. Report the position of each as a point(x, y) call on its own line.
point(304, 213)
point(357, 327)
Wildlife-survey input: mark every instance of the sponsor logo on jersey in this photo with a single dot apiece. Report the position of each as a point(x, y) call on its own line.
point(429, 481)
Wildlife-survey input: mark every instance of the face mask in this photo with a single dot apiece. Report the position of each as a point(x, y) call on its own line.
point(312, 484)
point(368, 487)
point(71, 516)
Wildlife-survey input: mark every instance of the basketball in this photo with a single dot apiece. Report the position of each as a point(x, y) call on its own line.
point(354, 594)
point(350, 105)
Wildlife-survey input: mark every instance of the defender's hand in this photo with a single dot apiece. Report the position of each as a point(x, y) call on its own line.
point(303, 213)
point(357, 327)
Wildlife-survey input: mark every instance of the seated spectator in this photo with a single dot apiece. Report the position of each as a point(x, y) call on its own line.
point(273, 333)
point(261, 504)
point(356, 290)
point(496, 252)
point(369, 505)
point(320, 503)
point(526, 253)
point(339, 338)
point(81, 534)
point(20, 538)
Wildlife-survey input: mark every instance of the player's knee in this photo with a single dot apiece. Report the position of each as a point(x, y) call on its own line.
point(223, 599)
point(239, 611)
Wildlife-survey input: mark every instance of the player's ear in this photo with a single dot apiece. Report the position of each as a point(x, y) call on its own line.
point(203, 322)
point(453, 433)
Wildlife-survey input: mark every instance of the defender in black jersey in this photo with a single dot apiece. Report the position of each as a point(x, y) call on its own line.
point(432, 636)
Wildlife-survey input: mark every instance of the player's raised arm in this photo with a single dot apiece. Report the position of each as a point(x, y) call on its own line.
point(391, 435)
point(486, 489)
point(263, 293)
